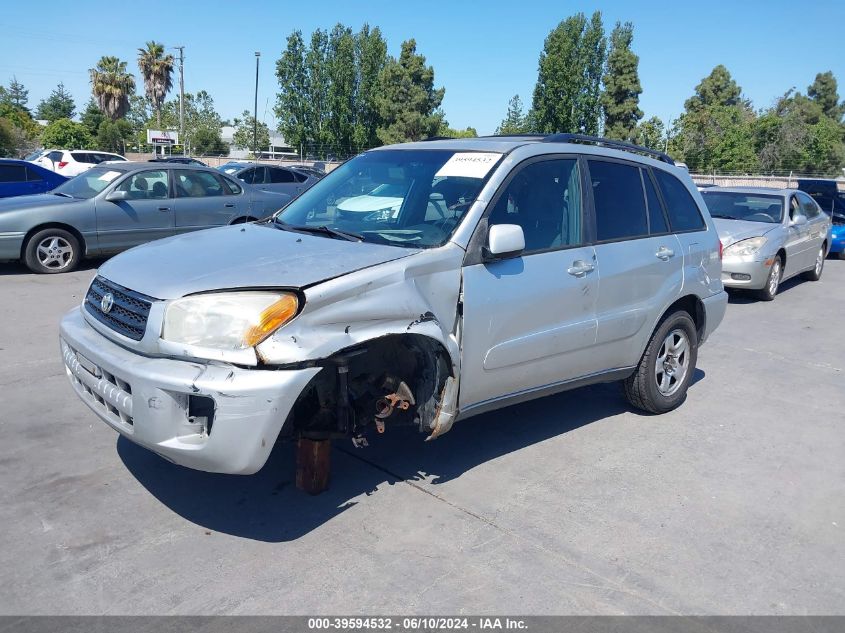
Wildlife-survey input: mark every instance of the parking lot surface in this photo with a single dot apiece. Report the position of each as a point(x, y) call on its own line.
point(733, 504)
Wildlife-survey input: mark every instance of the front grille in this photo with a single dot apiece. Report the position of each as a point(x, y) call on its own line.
point(129, 311)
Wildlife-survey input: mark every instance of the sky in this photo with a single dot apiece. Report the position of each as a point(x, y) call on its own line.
point(482, 52)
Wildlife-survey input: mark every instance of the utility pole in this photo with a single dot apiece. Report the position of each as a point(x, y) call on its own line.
point(255, 110)
point(181, 50)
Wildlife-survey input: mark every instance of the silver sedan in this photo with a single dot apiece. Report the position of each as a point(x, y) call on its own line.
point(768, 236)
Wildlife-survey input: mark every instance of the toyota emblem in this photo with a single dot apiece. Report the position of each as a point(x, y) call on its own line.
point(107, 302)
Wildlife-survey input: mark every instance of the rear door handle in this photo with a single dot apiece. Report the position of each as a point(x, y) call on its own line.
point(229, 206)
point(164, 208)
point(580, 268)
point(664, 253)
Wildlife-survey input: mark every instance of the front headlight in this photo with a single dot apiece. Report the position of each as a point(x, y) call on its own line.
point(744, 248)
point(228, 320)
point(380, 215)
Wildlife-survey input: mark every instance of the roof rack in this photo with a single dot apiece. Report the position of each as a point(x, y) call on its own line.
point(606, 142)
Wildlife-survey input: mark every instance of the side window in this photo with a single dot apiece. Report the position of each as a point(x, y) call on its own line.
point(55, 156)
point(300, 176)
point(12, 173)
point(280, 175)
point(253, 176)
point(544, 198)
point(83, 157)
point(808, 206)
point(619, 201)
point(683, 211)
point(197, 184)
point(656, 219)
point(230, 187)
point(147, 185)
point(33, 175)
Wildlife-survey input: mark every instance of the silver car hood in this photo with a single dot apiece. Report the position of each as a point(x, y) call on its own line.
point(16, 203)
point(731, 231)
point(240, 256)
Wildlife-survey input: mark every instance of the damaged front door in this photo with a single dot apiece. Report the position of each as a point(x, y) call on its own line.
point(530, 320)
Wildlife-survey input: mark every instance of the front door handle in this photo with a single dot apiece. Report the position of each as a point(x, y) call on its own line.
point(664, 253)
point(580, 268)
point(229, 206)
point(164, 208)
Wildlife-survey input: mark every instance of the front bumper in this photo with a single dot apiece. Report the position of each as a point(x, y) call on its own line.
point(745, 272)
point(715, 307)
point(148, 400)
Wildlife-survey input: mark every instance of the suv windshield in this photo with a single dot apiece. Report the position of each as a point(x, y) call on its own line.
point(411, 198)
point(752, 207)
point(88, 184)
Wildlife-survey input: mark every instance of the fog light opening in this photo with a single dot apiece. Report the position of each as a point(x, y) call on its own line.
point(740, 276)
point(201, 411)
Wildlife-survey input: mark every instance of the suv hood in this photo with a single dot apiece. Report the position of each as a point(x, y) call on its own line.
point(240, 256)
point(731, 231)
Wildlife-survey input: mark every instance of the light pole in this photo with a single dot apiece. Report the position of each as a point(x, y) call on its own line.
point(181, 50)
point(255, 110)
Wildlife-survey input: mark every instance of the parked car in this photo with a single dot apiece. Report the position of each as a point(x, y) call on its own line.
point(20, 178)
point(308, 169)
point(74, 162)
point(113, 207)
point(832, 201)
point(768, 236)
point(569, 263)
point(182, 160)
point(271, 177)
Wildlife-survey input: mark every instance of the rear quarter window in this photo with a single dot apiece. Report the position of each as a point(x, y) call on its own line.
point(12, 173)
point(684, 214)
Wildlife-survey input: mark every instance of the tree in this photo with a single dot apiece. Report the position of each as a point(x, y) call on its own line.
point(568, 89)
point(515, 121)
point(112, 86)
point(112, 136)
point(59, 105)
point(317, 89)
point(651, 133)
point(8, 146)
point(64, 133)
point(200, 118)
point(445, 130)
point(292, 105)
point(157, 71)
point(408, 104)
point(717, 138)
point(370, 59)
point(621, 97)
point(15, 95)
point(717, 89)
point(341, 90)
point(244, 132)
point(824, 92)
point(207, 142)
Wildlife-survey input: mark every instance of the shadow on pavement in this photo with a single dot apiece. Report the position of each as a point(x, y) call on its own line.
point(268, 507)
point(10, 269)
point(747, 296)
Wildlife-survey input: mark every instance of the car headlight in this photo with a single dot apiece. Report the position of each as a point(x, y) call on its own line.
point(380, 215)
point(745, 247)
point(228, 320)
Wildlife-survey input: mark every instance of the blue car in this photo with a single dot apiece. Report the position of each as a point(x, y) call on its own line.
point(20, 178)
point(832, 201)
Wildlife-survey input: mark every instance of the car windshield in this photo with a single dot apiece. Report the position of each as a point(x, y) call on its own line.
point(89, 183)
point(410, 198)
point(753, 207)
point(34, 155)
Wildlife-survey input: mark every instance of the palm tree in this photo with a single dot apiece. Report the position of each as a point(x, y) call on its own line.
point(156, 69)
point(112, 86)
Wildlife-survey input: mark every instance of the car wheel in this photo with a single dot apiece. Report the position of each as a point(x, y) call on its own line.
point(770, 290)
point(666, 368)
point(816, 273)
point(52, 251)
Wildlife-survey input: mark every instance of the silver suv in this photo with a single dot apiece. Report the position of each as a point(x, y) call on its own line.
point(420, 284)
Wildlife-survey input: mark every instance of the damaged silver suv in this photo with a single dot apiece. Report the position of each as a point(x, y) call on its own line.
point(415, 284)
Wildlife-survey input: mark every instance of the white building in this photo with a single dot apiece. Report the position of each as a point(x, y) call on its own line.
point(278, 147)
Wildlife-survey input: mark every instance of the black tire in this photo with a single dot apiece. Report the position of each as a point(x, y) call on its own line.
point(770, 290)
point(642, 388)
point(52, 251)
point(815, 273)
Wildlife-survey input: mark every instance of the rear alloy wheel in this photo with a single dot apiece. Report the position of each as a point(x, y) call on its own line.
point(770, 290)
point(666, 368)
point(52, 251)
point(816, 273)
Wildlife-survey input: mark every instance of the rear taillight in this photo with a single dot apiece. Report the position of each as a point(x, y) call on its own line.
point(62, 163)
point(721, 248)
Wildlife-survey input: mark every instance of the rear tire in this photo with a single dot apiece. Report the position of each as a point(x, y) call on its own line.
point(770, 290)
point(666, 368)
point(816, 273)
point(52, 251)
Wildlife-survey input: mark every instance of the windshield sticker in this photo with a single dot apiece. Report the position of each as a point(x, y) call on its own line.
point(468, 165)
point(109, 176)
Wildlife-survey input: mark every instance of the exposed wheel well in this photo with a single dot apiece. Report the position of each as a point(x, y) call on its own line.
point(695, 308)
point(782, 254)
point(375, 369)
point(243, 219)
point(53, 225)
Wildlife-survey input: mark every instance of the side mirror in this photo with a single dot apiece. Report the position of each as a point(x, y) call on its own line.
point(798, 220)
point(117, 196)
point(504, 240)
